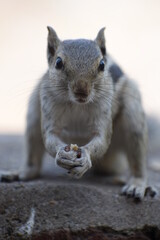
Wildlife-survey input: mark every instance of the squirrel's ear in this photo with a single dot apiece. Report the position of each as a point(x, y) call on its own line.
point(100, 40)
point(53, 43)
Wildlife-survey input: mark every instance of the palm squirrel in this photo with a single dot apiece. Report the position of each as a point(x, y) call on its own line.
point(85, 98)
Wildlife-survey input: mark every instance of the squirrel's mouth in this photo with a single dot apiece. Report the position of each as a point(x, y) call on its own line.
point(81, 97)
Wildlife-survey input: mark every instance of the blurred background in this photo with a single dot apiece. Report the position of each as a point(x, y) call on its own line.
point(132, 36)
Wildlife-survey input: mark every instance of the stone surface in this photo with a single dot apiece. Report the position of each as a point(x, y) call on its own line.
point(56, 207)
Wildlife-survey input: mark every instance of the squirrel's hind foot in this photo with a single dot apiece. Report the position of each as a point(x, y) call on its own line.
point(138, 189)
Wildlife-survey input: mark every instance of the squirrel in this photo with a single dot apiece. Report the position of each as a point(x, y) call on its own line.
point(85, 98)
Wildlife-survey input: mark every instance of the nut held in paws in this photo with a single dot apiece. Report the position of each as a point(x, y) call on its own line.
point(75, 148)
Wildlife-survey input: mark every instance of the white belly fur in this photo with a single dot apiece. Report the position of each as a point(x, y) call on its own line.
point(75, 125)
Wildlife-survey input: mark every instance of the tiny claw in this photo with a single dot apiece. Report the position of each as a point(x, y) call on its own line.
point(151, 191)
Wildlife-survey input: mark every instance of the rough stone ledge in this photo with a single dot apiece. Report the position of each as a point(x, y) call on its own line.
point(65, 210)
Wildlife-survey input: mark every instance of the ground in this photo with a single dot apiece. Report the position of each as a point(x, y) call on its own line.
point(57, 207)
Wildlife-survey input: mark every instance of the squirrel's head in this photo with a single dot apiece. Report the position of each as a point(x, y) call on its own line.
point(76, 67)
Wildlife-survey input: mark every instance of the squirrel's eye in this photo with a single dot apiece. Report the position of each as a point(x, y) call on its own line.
point(59, 63)
point(101, 65)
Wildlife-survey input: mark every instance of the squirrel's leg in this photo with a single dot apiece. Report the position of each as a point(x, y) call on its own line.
point(135, 134)
point(33, 140)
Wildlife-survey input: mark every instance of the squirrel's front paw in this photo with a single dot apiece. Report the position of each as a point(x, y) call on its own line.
point(78, 171)
point(137, 188)
point(67, 158)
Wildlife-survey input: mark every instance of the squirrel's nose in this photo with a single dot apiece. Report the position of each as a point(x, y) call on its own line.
point(82, 88)
point(83, 92)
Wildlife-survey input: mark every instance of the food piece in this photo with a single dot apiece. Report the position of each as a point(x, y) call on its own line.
point(74, 147)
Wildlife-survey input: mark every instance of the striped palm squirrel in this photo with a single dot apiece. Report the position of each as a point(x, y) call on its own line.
point(85, 98)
